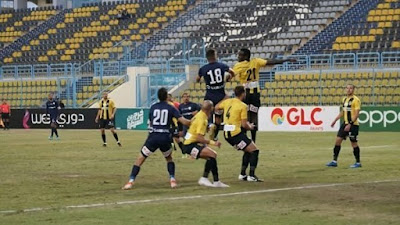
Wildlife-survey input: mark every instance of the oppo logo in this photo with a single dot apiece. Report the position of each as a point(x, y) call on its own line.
point(379, 117)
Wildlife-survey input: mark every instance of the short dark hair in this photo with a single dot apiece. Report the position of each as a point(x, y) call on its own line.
point(246, 52)
point(210, 53)
point(162, 94)
point(239, 90)
point(354, 87)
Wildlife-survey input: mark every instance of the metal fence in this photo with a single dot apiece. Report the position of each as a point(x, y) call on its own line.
point(343, 61)
point(78, 85)
point(327, 87)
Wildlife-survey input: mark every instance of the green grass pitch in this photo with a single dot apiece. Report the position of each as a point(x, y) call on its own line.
point(77, 170)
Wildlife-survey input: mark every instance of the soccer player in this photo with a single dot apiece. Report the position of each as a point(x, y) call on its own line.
point(52, 108)
point(248, 71)
point(195, 145)
point(5, 114)
point(235, 118)
point(160, 116)
point(174, 125)
point(351, 106)
point(106, 114)
point(188, 109)
point(214, 76)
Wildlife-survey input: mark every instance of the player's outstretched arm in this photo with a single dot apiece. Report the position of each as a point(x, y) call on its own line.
point(279, 61)
point(184, 121)
point(231, 74)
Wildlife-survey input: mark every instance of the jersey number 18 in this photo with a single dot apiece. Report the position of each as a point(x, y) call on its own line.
point(216, 76)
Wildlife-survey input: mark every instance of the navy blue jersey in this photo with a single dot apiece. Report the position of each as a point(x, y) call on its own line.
point(161, 115)
point(187, 109)
point(214, 74)
point(52, 108)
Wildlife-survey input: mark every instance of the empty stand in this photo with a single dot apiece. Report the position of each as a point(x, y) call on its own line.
point(328, 87)
point(29, 93)
point(268, 28)
point(96, 31)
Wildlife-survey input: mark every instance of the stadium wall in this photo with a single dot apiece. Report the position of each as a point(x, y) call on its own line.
point(124, 96)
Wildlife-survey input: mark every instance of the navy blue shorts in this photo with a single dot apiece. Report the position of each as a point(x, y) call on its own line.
point(215, 97)
point(53, 119)
point(157, 141)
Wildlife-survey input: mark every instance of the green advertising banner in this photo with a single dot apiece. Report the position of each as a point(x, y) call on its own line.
point(380, 118)
point(132, 119)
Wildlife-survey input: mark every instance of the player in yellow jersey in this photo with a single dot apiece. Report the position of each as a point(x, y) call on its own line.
point(235, 120)
point(196, 145)
point(248, 72)
point(351, 106)
point(106, 114)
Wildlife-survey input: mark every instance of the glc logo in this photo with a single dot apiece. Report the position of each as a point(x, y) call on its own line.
point(296, 116)
point(277, 116)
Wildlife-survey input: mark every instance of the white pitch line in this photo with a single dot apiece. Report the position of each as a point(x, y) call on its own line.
point(368, 147)
point(190, 197)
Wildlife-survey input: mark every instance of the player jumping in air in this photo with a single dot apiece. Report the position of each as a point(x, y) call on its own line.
point(52, 108)
point(235, 118)
point(248, 71)
point(351, 106)
point(160, 116)
point(196, 145)
point(106, 114)
point(214, 76)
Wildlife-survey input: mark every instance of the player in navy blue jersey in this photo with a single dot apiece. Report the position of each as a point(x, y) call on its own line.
point(52, 108)
point(160, 116)
point(214, 74)
point(188, 109)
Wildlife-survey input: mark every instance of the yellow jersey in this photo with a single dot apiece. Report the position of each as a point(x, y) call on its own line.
point(249, 73)
point(349, 106)
point(107, 107)
point(198, 126)
point(234, 112)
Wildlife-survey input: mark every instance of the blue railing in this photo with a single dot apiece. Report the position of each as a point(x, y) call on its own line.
point(118, 68)
point(343, 60)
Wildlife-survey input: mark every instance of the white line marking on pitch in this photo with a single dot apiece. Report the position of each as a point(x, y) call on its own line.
point(373, 146)
point(192, 197)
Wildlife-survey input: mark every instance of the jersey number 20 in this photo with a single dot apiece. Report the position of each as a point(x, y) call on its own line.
point(160, 117)
point(216, 76)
